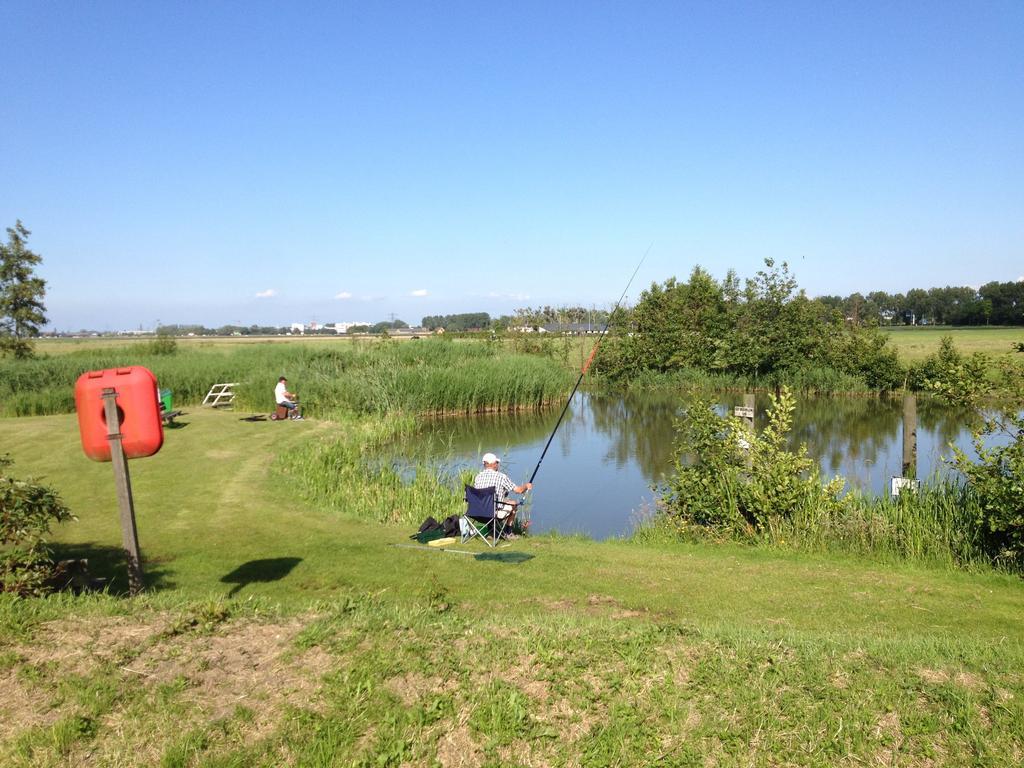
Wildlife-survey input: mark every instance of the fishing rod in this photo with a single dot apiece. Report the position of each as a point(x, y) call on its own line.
point(586, 366)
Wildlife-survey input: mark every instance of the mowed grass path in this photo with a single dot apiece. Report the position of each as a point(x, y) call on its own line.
point(914, 344)
point(276, 634)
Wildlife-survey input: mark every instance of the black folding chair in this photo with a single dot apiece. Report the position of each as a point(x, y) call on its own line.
point(482, 516)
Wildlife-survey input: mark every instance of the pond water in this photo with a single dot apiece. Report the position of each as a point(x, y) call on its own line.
point(610, 451)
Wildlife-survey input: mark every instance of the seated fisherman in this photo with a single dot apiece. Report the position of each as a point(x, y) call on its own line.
point(491, 477)
point(286, 399)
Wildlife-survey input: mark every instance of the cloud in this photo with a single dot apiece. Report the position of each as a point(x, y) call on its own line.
point(419, 292)
point(270, 292)
point(343, 295)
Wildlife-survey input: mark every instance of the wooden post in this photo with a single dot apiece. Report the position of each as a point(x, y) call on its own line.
point(748, 402)
point(910, 436)
point(129, 535)
point(746, 413)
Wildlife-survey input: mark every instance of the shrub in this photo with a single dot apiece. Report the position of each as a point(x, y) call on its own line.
point(728, 479)
point(27, 511)
point(997, 476)
point(947, 369)
point(997, 480)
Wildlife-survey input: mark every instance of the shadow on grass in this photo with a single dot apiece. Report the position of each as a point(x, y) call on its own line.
point(176, 424)
point(509, 558)
point(256, 571)
point(108, 569)
point(254, 417)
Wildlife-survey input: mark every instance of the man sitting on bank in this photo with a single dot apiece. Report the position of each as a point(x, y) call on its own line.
point(286, 399)
point(491, 477)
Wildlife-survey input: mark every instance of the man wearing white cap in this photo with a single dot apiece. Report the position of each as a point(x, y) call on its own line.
point(491, 477)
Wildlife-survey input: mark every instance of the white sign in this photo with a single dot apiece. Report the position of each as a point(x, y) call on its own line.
point(744, 411)
point(899, 483)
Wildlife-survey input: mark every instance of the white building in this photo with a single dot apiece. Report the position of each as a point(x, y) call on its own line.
point(343, 327)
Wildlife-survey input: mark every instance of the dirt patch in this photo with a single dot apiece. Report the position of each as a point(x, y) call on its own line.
point(889, 727)
point(21, 708)
point(888, 730)
point(412, 687)
point(682, 659)
point(242, 664)
point(933, 676)
point(969, 681)
point(245, 663)
point(80, 646)
point(456, 749)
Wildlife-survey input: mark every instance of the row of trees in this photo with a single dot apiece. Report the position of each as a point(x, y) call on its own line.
point(536, 317)
point(762, 329)
point(994, 303)
point(224, 330)
point(470, 321)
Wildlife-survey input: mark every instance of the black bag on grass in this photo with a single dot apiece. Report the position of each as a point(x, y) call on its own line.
point(429, 525)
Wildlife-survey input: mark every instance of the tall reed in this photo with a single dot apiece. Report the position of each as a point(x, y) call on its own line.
point(938, 525)
point(339, 474)
point(422, 376)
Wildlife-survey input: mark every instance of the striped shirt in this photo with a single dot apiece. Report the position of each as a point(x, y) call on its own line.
point(499, 481)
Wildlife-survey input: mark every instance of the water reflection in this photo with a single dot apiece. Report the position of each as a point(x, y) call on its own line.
point(612, 449)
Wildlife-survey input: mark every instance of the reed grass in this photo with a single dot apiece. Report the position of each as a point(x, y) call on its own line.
point(426, 376)
point(806, 381)
point(340, 474)
point(937, 526)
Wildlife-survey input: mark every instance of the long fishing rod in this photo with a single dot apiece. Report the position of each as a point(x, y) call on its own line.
point(586, 366)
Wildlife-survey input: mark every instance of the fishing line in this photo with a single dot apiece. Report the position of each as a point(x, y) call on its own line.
point(586, 365)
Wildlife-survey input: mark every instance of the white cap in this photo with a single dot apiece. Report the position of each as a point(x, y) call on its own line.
point(490, 458)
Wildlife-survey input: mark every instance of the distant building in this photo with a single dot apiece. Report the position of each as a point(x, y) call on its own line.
point(573, 329)
point(343, 327)
point(299, 328)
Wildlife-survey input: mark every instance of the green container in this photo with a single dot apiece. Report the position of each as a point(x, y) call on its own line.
point(165, 399)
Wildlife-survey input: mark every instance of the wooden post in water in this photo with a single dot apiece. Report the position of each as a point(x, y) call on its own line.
point(910, 436)
point(129, 534)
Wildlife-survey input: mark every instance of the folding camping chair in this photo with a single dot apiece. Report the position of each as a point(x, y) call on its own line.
point(481, 516)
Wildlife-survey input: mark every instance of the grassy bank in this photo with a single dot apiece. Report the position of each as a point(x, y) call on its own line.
point(276, 631)
point(354, 377)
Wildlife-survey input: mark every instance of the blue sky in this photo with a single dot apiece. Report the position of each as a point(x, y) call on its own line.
point(272, 163)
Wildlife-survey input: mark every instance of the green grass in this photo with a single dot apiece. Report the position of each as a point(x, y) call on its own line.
point(914, 344)
point(337, 648)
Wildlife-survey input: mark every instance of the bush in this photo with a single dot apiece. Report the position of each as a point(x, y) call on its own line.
point(737, 483)
point(27, 511)
point(997, 476)
point(997, 481)
point(947, 369)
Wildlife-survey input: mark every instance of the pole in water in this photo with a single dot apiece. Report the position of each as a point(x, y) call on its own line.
point(586, 365)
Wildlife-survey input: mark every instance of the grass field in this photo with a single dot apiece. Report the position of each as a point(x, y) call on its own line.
point(276, 632)
point(914, 344)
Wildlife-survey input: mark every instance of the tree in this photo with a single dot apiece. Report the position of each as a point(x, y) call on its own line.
point(21, 294)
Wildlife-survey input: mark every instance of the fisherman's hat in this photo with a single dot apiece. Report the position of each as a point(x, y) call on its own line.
point(490, 458)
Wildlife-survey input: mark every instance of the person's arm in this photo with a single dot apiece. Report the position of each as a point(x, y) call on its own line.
point(522, 488)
